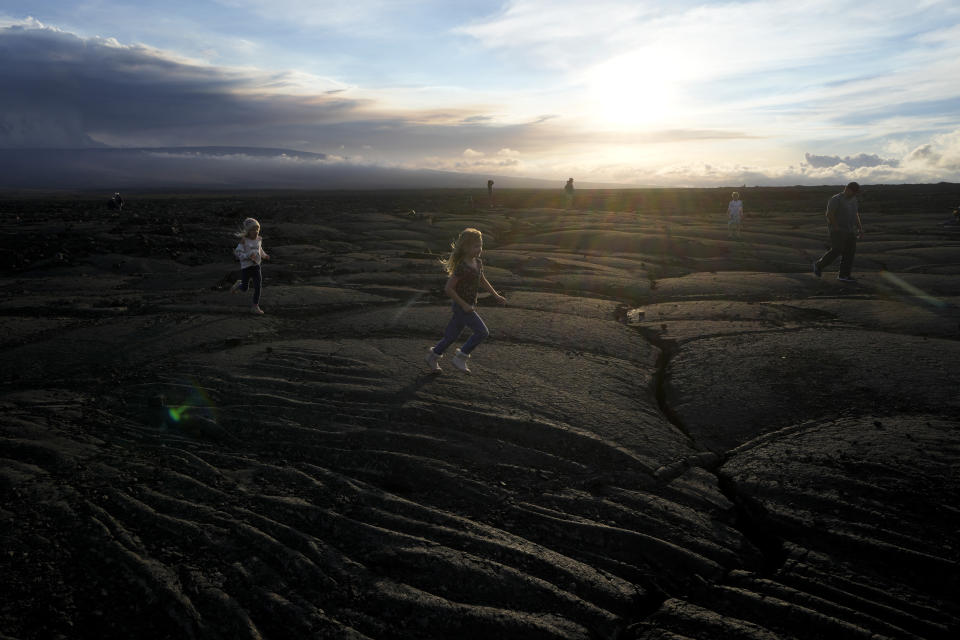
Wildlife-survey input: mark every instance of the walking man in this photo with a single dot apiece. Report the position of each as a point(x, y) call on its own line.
point(843, 220)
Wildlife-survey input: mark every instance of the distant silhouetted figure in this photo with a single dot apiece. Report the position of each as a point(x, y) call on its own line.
point(490, 192)
point(568, 189)
point(843, 221)
point(956, 214)
point(116, 202)
point(734, 215)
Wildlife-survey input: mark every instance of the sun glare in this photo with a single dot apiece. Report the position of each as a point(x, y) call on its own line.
point(634, 90)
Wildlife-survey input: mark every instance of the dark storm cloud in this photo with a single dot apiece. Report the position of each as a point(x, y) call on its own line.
point(58, 90)
point(63, 91)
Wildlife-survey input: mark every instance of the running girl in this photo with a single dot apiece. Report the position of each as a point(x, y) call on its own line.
point(250, 253)
point(465, 270)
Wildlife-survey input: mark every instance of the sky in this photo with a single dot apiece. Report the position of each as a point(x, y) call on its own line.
point(636, 92)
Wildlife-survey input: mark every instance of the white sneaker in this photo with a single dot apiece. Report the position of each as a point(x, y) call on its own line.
point(433, 361)
point(256, 310)
point(236, 287)
point(460, 361)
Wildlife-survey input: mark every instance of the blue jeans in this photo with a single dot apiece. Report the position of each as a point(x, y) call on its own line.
point(251, 275)
point(460, 320)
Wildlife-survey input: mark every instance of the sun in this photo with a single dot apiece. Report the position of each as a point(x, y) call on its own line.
point(634, 90)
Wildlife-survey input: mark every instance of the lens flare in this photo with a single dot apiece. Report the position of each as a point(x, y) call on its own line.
point(402, 310)
point(918, 293)
point(196, 404)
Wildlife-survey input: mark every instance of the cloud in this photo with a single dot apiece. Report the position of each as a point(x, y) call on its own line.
point(743, 64)
point(329, 14)
point(570, 34)
point(47, 127)
point(504, 162)
point(934, 161)
point(937, 160)
point(26, 23)
point(62, 90)
point(940, 157)
point(855, 162)
point(210, 168)
point(924, 154)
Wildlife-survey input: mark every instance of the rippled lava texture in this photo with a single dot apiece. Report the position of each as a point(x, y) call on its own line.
point(758, 454)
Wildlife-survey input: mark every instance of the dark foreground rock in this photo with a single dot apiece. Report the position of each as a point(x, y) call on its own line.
point(759, 454)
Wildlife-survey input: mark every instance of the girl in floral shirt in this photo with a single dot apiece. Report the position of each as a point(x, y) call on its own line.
point(465, 271)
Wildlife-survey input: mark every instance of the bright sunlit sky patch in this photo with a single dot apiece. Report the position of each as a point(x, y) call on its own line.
point(666, 92)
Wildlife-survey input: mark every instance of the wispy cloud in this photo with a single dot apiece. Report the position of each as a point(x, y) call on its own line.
point(327, 15)
point(728, 64)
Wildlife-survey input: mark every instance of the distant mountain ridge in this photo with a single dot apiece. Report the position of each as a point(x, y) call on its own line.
point(219, 151)
point(224, 167)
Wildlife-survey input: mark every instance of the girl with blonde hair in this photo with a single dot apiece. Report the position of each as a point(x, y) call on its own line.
point(465, 277)
point(250, 253)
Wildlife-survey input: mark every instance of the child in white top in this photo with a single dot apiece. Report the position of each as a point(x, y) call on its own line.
point(735, 214)
point(250, 253)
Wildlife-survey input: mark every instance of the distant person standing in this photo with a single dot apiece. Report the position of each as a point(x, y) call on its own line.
point(490, 193)
point(734, 215)
point(843, 221)
point(568, 189)
point(250, 253)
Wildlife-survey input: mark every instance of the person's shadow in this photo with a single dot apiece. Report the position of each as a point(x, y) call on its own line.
point(423, 379)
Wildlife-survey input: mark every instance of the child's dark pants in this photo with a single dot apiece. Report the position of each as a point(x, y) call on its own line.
point(251, 275)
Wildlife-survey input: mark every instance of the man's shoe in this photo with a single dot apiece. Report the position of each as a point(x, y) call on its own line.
point(236, 287)
point(816, 270)
point(846, 279)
